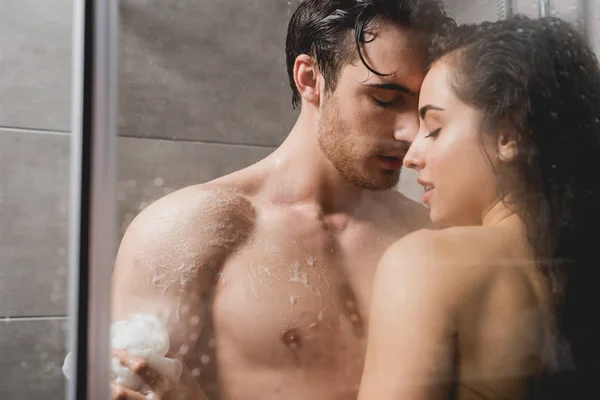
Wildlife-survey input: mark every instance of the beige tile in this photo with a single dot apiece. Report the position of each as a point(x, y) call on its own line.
point(34, 170)
point(35, 63)
point(205, 70)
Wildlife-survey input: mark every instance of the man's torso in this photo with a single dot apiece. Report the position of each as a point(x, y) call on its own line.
point(287, 317)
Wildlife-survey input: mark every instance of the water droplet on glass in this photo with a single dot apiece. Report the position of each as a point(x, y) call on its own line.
point(183, 350)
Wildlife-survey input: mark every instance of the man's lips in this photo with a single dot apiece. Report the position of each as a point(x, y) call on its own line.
point(391, 162)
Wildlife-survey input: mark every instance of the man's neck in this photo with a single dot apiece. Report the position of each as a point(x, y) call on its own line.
point(299, 172)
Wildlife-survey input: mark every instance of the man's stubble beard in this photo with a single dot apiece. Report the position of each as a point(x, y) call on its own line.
point(334, 138)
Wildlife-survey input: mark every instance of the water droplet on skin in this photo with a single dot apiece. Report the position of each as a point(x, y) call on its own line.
point(354, 318)
point(350, 304)
point(194, 336)
point(185, 309)
point(204, 359)
point(211, 344)
point(158, 182)
point(320, 316)
point(195, 320)
point(313, 325)
point(196, 372)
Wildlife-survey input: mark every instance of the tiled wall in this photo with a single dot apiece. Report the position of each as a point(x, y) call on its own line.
point(592, 10)
point(203, 92)
point(35, 74)
point(473, 11)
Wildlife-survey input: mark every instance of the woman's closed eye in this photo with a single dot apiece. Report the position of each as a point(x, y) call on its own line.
point(434, 134)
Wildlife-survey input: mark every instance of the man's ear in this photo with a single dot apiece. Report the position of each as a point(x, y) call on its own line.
point(306, 77)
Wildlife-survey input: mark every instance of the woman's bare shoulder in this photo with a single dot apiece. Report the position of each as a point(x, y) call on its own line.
point(457, 262)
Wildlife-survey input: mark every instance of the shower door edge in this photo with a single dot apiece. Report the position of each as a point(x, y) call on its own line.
point(92, 196)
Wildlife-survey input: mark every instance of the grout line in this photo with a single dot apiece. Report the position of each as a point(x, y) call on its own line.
point(33, 318)
point(211, 142)
point(38, 131)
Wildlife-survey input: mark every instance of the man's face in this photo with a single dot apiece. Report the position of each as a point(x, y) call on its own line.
point(367, 123)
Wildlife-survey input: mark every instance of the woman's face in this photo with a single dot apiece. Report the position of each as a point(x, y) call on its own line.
point(458, 177)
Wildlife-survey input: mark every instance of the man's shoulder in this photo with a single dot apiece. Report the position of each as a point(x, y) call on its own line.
point(206, 211)
point(405, 209)
point(204, 201)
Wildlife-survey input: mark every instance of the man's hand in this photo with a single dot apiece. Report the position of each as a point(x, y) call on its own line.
point(158, 387)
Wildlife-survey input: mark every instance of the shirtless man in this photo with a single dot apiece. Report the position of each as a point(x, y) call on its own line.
point(264, 276)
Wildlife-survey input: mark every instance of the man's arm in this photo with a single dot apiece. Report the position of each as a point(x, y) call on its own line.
point(410, 341)
point(171, 256)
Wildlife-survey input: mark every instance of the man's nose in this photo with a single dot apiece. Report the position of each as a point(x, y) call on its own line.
point(407, 128)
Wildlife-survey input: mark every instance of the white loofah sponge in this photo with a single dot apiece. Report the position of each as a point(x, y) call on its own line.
point(144, 336)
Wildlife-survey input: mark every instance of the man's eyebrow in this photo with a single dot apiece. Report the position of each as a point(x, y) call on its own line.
point(423, 110)
point(392, 86)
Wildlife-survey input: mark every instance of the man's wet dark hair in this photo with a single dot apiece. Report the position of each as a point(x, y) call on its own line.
point(332, 31)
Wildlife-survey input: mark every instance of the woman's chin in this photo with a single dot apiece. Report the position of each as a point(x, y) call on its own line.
point(438, 220)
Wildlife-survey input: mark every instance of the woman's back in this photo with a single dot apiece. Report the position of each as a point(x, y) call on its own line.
point(503, 331)
point(483, 312)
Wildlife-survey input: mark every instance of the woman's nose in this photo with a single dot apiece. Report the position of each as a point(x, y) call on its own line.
point(414, 157)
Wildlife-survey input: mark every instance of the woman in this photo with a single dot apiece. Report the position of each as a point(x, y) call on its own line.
point(507, 148)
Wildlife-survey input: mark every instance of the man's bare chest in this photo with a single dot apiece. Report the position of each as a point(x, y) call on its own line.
point(298, 292)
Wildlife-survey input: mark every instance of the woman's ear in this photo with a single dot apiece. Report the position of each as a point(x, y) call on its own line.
point(507, 147)
point(306, 76)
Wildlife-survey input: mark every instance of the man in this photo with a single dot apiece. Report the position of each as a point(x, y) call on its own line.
point(264, 276)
